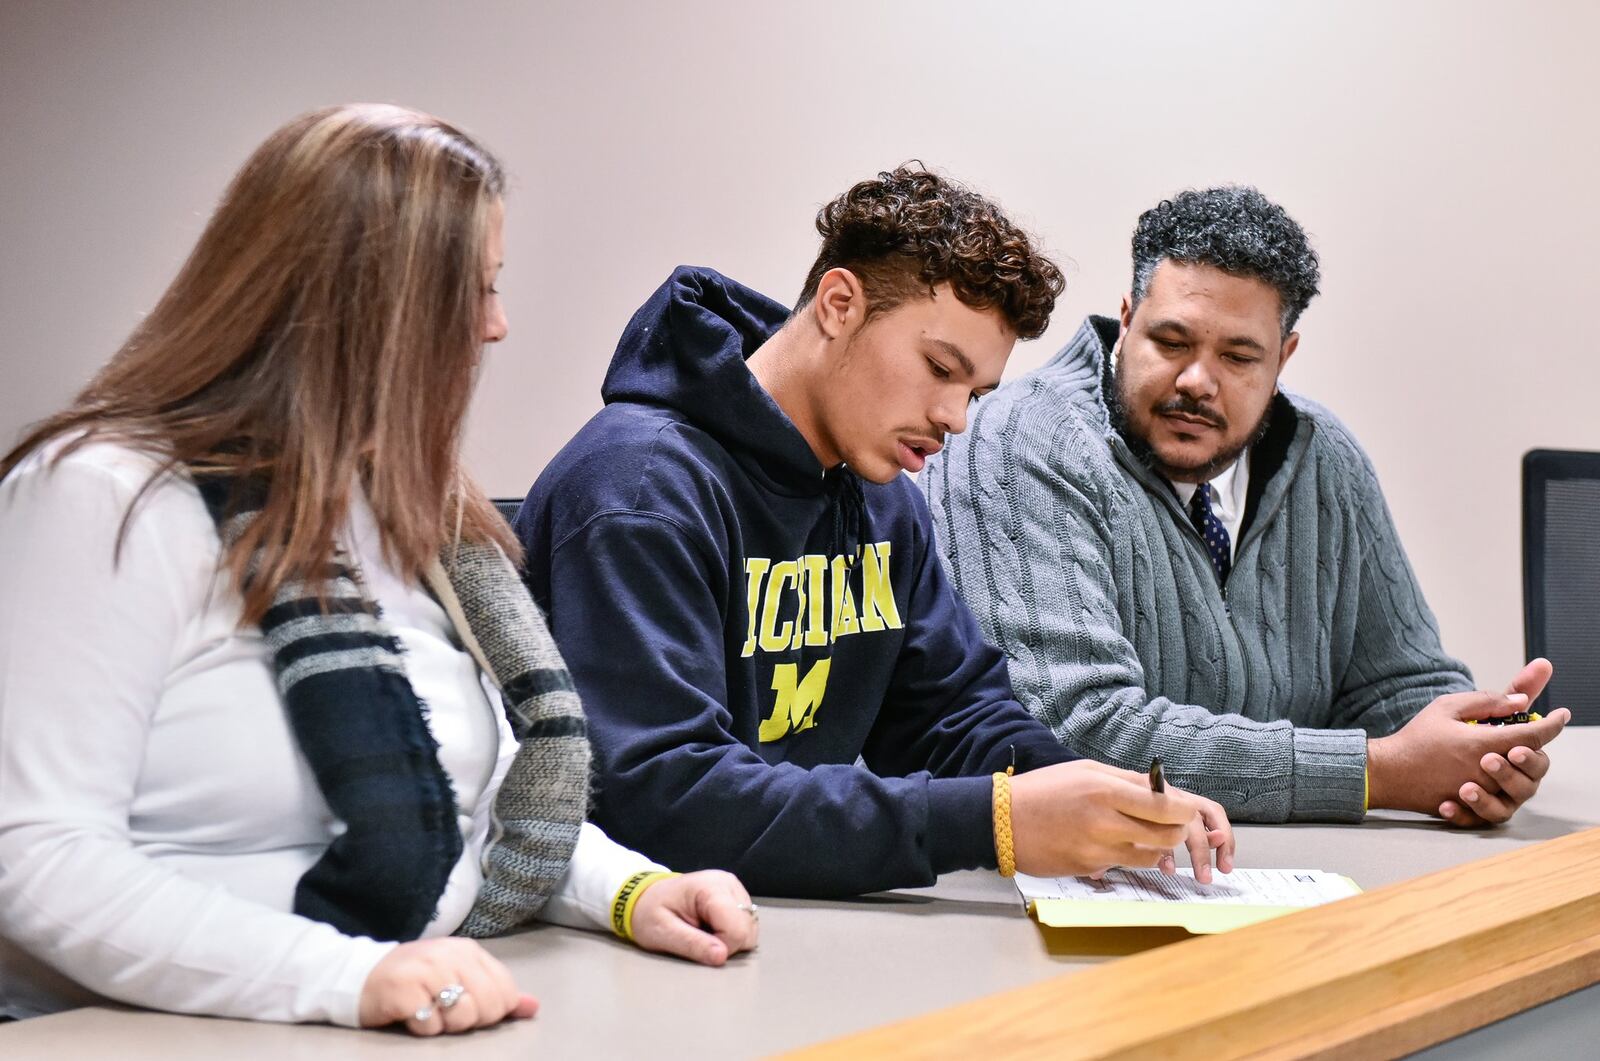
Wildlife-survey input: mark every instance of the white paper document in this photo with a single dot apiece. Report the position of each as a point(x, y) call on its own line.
point(1242, 887)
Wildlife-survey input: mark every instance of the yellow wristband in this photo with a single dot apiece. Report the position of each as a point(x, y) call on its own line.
point(1005, 851)
point(628, 897)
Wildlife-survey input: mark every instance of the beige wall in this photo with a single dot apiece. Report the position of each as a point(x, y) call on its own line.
point(1442, 155)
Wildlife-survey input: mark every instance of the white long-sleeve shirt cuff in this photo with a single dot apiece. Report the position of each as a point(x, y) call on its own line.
point(599, 867)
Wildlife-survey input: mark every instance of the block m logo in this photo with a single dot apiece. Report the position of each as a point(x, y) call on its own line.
point(796, 706)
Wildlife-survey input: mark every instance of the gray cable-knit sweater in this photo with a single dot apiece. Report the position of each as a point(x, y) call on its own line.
point(1082, 566)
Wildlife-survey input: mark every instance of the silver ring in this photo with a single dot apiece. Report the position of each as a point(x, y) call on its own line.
point(752, 909)
point(423, 1014)
point(449, 995)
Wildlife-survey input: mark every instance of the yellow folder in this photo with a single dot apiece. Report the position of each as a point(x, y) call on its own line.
point(1149, 899)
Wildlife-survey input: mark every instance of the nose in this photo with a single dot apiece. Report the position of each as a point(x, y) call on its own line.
point(1196, 380)
point(950, 415)
point(495, 325)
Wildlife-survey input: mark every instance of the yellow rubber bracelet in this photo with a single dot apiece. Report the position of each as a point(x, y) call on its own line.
point(1004, 849)
point(628, 897)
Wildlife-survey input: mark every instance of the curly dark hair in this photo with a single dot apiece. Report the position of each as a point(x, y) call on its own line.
point(908, 230)
point(1236, 229)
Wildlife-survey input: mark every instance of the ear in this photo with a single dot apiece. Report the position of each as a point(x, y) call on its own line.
point(1127, 315)
point(840, 305)
point(1289, 346)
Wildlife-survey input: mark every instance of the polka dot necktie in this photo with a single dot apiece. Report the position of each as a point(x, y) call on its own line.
point(1212, 532)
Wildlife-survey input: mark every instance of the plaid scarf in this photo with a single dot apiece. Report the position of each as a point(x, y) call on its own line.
point(365, 735)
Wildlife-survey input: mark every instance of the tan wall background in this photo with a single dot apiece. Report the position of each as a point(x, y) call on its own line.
point(1442, 154)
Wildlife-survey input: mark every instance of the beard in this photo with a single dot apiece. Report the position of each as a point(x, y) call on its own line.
point(1117, 402)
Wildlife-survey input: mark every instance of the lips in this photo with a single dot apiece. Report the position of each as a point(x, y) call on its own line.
point(1192, 421)
point(914, 453)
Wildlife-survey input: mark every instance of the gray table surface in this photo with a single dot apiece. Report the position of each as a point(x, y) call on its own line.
point(826, 969)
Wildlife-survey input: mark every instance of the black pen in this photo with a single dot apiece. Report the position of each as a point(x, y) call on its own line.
point(1158, 780)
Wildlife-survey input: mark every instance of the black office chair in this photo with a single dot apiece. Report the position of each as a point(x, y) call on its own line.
point(1561, 575)
point(508, 506)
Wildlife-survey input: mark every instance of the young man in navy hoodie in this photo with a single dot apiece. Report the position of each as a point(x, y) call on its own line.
point(747, 593)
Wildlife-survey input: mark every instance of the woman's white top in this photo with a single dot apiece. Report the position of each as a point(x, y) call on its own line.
point(155, 810)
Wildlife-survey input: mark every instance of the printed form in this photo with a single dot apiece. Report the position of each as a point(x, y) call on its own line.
point(1242, 887)
point(1148, 897)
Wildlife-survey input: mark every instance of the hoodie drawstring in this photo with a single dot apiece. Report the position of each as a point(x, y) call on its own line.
point(848, 506)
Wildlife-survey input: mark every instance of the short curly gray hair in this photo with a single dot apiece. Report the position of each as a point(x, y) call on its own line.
point(1236, 229)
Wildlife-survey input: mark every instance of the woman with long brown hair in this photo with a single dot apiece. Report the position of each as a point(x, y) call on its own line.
point(279, 723)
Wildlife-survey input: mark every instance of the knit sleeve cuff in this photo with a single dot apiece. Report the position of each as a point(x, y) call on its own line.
point(961, 823)
point(1330, 775)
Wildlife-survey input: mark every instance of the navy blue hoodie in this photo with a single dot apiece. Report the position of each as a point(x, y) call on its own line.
point(742, 624)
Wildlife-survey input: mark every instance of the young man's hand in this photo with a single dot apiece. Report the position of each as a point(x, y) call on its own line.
point(1468, 775)
point(1084, 817)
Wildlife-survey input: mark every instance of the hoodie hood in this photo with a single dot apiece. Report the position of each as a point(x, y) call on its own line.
point(685, 350)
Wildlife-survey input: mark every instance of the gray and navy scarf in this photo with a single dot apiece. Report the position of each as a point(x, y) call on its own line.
point(365, 735)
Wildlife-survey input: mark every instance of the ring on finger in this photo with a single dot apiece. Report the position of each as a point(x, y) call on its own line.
point(449, 995)
point(752, 909)
point(423, 1014)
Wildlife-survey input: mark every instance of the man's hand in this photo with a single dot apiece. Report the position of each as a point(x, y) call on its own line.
point(1468, 775)
point(1514, 776)
point(705, 917)
point(1084, 817)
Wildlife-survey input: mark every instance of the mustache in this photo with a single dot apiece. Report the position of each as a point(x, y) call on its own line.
point(931, 433)
point(1189, 407)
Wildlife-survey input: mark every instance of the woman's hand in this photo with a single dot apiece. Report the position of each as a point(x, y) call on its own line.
point(418, 983)
point(705, 917)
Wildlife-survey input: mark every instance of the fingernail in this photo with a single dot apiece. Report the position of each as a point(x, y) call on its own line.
point(1494, 765)
point(1472, 796)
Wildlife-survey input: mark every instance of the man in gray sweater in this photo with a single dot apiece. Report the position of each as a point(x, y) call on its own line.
point(1182, 561)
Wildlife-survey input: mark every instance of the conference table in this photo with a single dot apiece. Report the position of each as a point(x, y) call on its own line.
point(827, 969)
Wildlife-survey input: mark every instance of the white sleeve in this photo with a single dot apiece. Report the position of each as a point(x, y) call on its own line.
point(598, 870)
point(85, 647)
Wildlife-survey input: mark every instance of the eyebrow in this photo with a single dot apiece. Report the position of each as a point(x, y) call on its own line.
point(955, 351)
point(1181, 329)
